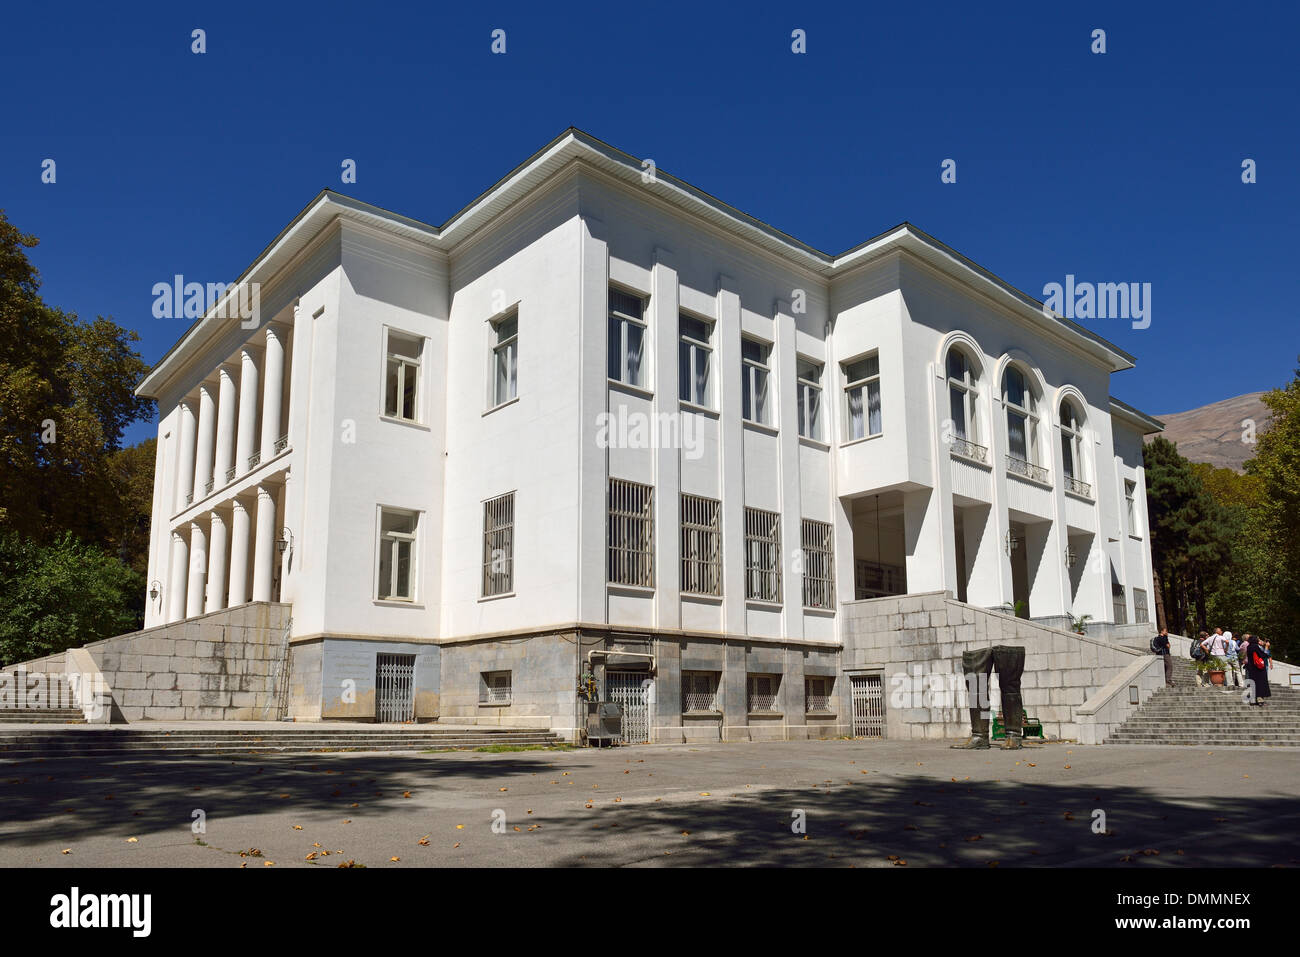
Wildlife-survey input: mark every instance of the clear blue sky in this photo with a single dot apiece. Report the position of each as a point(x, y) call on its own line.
point(1117, 167)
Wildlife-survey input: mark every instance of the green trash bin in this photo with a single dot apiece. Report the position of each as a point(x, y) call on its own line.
point(1033, 727)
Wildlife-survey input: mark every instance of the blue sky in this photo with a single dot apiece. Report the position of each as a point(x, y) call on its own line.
point(1122, 167)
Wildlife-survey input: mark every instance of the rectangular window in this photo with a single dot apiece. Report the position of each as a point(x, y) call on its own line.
point(494, 687)
point(862, 398)
point(627, 335)
point(699, 691)
point(402, 377)
point(761, 692)
point(396, 574)
point(631, 533)
point(809, 379)
point(762, 555)
point(754, 377)
point(695, 358)
point(1118, 606)
point(817, 695)
point(701, 546)
point(505, 359)
point(1130, 507)
point(818, 565)
point(499, 545)
point(1140, 613)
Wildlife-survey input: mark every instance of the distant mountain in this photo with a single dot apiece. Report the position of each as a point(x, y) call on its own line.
point(1215, 434)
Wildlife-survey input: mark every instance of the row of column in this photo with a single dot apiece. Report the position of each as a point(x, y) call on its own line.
point(226, 424)
point(198, 581)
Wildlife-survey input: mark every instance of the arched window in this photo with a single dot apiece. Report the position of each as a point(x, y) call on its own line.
point(963, 397)
point(1022, 416)
point(1071, 442)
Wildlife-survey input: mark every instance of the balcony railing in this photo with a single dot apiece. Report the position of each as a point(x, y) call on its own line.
point(254, 460)
point(1082, 489)
point(281, 444)
point(969, 450)
point(1035, 473)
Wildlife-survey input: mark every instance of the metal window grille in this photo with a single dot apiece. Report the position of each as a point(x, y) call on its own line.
point(762, 692)
point(699, 691)
point(701, 546)
point(495, 687)
point(818, 564)
point(1141, 613)
point(1118, 605)
point(499, 545)
point(630, 690)
point(394, 687)
point(817, 694)
point(631, 533)
point(868, 706)
point(762, 555)
point(876, 580)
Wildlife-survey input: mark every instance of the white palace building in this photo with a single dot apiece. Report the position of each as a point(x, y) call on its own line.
point(601, 422)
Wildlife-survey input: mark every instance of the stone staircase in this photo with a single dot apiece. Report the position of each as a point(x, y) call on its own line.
point(1211, 717)
point(28, 743)
point(48, 700)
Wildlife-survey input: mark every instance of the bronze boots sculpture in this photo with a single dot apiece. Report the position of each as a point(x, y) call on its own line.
point(1009, 661)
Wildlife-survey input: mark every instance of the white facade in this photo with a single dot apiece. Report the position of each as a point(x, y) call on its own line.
point(299, 432)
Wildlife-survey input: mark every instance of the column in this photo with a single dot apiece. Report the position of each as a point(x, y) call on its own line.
point(198, 570)
point(226, 405)
point(216, 597)
point(185, 455)
point(177, 572)
point(239, 523)
point(272, 390)
point(264, 545)
point(203, 453)
point(247, 410)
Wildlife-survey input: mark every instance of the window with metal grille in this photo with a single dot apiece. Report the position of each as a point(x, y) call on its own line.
point(631, 533)
point(754, 375)
point(1141, 614)
point(494, 687)
point(701, 546)
point(1118, 605)
point(818, 565)
point(862, 398)
point(402, 377)
point(396, 573)
point(505, 359)
point(695, 359)
point(499, 545)
point(817, 695)
point(699, 691)
point(627, 334)
point(809, 383)
point(762, 555)
point(761, 692)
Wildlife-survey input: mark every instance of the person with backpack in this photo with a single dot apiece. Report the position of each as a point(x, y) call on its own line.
point(1199, 654)
point(1257, 669)
point(1160, 646)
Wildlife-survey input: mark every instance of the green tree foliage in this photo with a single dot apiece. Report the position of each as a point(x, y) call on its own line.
point(60, 595)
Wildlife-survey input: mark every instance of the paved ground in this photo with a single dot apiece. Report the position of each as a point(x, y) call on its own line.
point(735, 804)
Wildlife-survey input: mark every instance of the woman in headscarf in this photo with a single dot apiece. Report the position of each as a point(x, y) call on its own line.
point(1257, 668)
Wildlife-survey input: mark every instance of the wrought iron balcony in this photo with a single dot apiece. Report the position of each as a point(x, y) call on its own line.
point(1035, 473)
point(969, 450)
point(281, 444)
point(1082, 489)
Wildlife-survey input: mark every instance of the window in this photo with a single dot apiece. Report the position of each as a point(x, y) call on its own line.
point(754, 374)
point(1140, 613)
point(701, 546)
point(808, 382)
point(494, 687)
point(1117, 603)
point(817, 695)
point(1022, 417)
point(627, 334)
point(396, 555)
point(761, 692)
point(1071, 443)
point(631, 533)
point(862, 398)
point(762, 555)
point(1130, 507)
point(499, 545)
point(505, 359)
point(818, 565)
point(402, 377)
point(694, 360)
point(963, 398)
point(699, 691)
